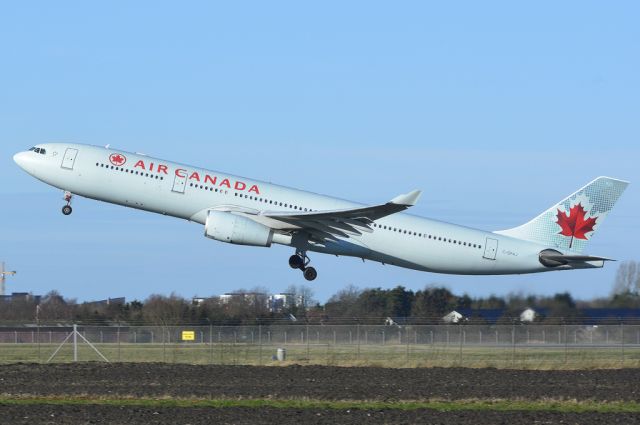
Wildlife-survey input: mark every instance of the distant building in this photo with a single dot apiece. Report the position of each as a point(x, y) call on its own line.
point(528, 315)
point(21, 296)
point(486, 315)
point(108, 301)
point(248, 297)
point(453, 317)
point(277, 303)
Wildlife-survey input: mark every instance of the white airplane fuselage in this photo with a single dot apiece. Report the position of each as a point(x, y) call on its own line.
point(187, 192)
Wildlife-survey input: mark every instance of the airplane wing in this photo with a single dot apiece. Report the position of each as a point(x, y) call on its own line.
point(330, 224)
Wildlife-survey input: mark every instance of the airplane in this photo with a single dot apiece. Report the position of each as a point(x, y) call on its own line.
point(245, 211)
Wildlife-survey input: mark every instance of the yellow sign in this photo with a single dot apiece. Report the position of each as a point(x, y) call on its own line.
point(188, 336)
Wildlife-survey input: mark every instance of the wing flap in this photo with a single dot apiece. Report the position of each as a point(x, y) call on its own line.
point(344, 223)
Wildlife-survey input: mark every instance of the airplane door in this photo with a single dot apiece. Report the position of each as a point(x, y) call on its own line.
point(69, 158)
point(490, 249)
point(179, 183)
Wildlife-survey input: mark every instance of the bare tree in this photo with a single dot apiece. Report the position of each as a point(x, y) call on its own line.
point(162, 310)
point(303, 295)
point(627, 278)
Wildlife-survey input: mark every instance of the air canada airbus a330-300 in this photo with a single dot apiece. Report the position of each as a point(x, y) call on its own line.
point(244, 211)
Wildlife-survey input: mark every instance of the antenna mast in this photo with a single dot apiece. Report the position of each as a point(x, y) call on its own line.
point(2, 277)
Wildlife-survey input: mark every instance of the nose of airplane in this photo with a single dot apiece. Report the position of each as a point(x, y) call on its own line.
point(19, 159)
point(22, 159)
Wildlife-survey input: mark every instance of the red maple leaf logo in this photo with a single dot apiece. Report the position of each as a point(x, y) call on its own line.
point(117, 159)
point(575, 224)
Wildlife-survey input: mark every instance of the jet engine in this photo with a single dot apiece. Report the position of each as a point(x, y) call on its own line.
point(236, 229)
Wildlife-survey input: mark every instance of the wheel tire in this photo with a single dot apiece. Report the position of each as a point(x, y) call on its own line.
point(310, 273)
point(66, 210)
point(296, 262)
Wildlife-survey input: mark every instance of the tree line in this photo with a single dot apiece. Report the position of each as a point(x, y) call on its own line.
point(369, 305)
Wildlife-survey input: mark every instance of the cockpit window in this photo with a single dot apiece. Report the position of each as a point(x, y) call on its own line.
point(41, 151)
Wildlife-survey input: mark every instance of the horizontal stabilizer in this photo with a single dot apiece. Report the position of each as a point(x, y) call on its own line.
point(553, 258)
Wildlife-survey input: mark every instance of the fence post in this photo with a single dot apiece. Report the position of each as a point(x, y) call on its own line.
point(460, 353)
point(75, 343)
point(622, 343)
point(566, 345)
point(406, 341)
point(308, 346)
point(118, 335)
point(358, 338)
point(260, 344)
point(38, 330)
point(513, 343)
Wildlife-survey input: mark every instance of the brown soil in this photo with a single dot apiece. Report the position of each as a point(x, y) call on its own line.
point(77, 415)
point(305, 382)
point(316, 382)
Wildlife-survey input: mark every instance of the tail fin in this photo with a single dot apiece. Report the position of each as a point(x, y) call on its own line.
point(573, 221)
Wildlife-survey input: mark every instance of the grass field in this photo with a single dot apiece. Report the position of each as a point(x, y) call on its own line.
point(522, 357)
point(561, 406)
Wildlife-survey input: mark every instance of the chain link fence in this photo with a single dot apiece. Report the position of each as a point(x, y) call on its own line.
point(522, 346)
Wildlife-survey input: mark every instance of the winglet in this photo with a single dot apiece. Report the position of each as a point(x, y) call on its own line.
point(408, 199)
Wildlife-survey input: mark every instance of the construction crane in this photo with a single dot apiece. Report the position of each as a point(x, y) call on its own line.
point(2, 277)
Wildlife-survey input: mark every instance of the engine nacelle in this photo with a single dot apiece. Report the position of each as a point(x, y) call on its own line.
point(235, 229)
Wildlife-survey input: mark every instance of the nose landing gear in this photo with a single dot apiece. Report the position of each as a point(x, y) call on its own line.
point(66, 210)
point(300, 261)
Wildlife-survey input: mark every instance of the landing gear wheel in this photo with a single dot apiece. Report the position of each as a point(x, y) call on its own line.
point(310, 273)
point(296, 262)
point(66, 210)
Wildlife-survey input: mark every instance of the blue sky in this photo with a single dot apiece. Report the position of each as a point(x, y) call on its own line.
point(496, 110)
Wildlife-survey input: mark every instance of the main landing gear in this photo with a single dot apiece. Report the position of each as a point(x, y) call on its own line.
point(66, 210)
point(300, 261)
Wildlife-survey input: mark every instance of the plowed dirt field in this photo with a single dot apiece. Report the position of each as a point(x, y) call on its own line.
point(34, 393)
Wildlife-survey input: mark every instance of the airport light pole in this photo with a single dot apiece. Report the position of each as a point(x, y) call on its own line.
point(2, 277)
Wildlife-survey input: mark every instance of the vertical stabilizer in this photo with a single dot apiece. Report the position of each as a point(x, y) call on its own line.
point(571, 223)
